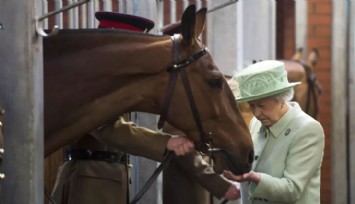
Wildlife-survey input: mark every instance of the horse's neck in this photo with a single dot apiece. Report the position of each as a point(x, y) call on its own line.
point(113, 52)
point(91, 78)
point(103, 62)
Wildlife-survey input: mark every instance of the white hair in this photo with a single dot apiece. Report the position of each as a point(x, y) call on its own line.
point(285, 96)
point(234, 85)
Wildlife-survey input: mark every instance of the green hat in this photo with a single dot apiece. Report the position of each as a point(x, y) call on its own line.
point(262, 80)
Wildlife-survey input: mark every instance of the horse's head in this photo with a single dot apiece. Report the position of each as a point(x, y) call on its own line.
point(126, 71)
point(216, 108)
point(308, 92)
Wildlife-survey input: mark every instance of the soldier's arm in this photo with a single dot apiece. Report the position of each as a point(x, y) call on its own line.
point(140, 141)
point(196, 167)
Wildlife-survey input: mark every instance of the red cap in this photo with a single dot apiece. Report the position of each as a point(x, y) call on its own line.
point(172, 29)
point(123, 21)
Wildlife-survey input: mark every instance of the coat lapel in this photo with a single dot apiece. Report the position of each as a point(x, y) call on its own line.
point(260, 144)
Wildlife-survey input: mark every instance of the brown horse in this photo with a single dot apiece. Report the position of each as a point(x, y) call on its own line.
point(93, 76)
point(307, 93)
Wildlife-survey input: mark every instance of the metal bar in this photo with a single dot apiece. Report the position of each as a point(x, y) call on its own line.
point(71, 16)
point(160, 14)
point(351, 100)
point(240, 37)
point(173, 13)
point(83, 17)
point(21, 96)
point(339, 110)
point(107, 5)
point(222, 6)
point(301, 25)
point(198, 4)
point(272, 40)
point(59, 17)
point(91, 14)
point(45, 10)
point(65, 8)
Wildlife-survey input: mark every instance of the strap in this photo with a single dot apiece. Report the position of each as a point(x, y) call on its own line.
point(191, 101)
point(48, 195)
point(96, 155)
point(311, 92)
point(224, 201)
point(172, 81)
point(167, 100)
point(206, 140)
point(153, 177)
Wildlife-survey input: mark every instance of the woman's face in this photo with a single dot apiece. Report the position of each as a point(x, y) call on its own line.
point(268, 110)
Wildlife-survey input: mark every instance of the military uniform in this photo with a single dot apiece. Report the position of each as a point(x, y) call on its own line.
point(93, 171)
point(97, 173)
point(191, 180)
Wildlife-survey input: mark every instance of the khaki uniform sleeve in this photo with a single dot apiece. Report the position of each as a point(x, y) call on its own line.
point(194, 165)
point(133, 139)
point(198, 169)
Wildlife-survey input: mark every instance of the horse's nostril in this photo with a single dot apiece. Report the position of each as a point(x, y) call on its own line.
point(251, 157)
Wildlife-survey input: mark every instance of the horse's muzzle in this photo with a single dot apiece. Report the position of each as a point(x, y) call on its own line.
point(230, 163)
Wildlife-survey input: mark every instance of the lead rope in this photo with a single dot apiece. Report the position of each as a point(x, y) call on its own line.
point(163, 113)
point(48, 195)
point(153, 177)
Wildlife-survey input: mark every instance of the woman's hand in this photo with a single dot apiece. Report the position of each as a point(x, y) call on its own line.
point(250, 176)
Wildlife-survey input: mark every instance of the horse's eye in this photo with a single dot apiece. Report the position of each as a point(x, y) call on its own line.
point(215, 83)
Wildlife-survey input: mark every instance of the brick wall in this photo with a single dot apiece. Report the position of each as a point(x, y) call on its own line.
point(319, 36)
point(285, 29)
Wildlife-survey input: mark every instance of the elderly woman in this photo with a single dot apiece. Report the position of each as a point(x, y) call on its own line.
point(288, 143)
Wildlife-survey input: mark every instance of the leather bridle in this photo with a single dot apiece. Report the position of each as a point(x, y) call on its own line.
point(205, 144)
point(311, 92)
point(178, 67)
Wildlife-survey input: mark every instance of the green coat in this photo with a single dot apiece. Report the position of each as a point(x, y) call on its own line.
point(290, 162)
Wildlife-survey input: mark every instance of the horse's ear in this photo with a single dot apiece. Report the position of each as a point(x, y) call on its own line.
point(200, 21)
point(298, 54)
point(313, 57)
point(188, 23)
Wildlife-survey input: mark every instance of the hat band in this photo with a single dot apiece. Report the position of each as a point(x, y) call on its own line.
point(255, 86)
point(117, 25)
